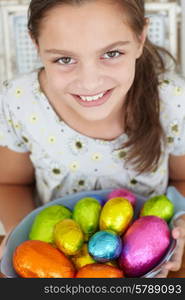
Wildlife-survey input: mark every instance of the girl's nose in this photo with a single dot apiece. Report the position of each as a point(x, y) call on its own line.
point(90, 79)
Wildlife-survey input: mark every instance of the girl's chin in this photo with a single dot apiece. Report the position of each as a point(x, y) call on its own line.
point(95, 116)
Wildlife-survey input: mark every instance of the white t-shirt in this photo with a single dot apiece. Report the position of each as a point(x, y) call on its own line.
point(67, 161)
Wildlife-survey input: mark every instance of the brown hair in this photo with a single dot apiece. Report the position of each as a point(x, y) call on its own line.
point(142, 106)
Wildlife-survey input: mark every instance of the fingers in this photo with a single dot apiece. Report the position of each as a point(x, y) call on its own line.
point(4, 241)
point(178, 233)
point(176, 261)
point(163, 273)
point(180, 227)
point(2, 246)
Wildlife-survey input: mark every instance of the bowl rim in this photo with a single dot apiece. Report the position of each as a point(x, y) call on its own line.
point(166, 257)
point(104, 192)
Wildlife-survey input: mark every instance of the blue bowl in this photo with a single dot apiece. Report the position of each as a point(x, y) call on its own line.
point(21, 231)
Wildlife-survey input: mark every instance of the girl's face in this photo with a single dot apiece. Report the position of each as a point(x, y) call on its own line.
point(89, 54)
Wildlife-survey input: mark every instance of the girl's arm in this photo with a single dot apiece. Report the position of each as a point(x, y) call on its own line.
point(16, 187)
point(16, 201)
point(177, 173)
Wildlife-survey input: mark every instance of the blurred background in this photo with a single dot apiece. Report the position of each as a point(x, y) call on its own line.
point(17, 54)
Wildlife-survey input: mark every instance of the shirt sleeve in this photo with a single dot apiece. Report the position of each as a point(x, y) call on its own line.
point(179, 145)
point(172, 93)
point(10, 128)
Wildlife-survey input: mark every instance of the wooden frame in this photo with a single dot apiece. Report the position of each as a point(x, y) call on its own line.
point(8, 46)
point(172, 10)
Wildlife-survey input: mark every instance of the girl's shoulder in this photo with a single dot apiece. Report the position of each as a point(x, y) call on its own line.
point(173, 85)
point(172, 95)
point(18, 87)
point(15, 103)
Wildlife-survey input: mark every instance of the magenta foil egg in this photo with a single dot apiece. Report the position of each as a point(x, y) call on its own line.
point(123, 193)
point(144, 245)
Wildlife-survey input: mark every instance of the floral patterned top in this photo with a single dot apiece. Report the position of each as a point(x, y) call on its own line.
point(67, 161)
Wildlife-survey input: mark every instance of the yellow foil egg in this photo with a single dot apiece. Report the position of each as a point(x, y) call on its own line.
point(82, 258)
point(68, 236)
point(116, 215)
point(112, 263)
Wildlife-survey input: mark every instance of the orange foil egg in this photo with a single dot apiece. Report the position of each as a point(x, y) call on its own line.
point(99, 271)
point(38, 259)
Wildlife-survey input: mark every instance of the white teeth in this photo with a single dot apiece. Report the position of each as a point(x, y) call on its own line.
point(92, 98)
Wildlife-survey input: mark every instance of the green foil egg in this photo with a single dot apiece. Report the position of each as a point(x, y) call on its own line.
point(86, 213)
point(159, 206)
point(68, 237)
point(116, 215)
point(44, 223)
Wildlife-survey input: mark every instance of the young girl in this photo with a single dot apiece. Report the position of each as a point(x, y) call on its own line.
point(101, 112)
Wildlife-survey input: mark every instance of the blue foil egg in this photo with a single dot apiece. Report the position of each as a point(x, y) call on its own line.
point(105, 245)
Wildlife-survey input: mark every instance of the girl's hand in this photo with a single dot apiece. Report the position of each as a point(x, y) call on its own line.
point(175, 262)
point(3, 243)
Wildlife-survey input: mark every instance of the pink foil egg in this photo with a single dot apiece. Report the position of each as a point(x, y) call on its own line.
point(144, 244)
point(123, 193)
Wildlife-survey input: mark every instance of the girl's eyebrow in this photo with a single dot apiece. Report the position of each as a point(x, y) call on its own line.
point(66, 52)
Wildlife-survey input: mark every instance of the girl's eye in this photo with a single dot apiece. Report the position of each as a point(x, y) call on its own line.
point(65, 60)
point(112, 54)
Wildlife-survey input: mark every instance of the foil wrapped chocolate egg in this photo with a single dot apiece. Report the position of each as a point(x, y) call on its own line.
point(113, 263)
point(116, 215)
point(144, 245)
point(123, 193)
point(159, 206)
point(68, 237)
point(45, 221)
point(86, 213)
point(82, 258)
point(38, 259)
point(104, 246)
point(100, 198)
point(99, 271)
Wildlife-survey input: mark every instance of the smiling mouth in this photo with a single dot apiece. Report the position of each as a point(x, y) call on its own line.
point(92, 98)
point(95, 100)
point(96, 97)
